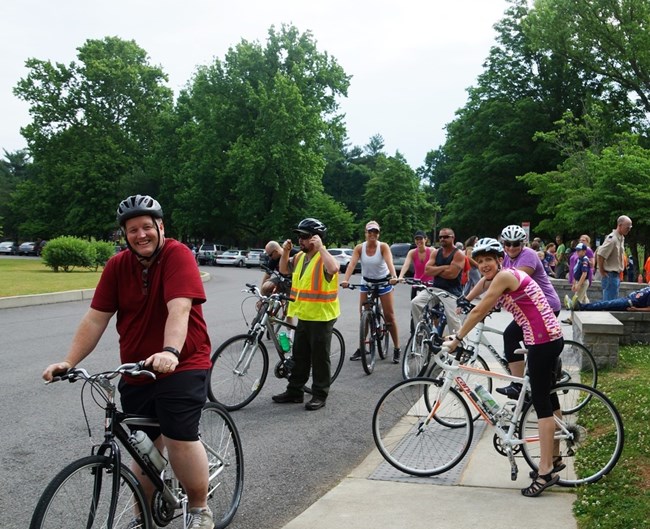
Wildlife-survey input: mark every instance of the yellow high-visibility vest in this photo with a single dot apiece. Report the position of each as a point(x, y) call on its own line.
point(316, 299)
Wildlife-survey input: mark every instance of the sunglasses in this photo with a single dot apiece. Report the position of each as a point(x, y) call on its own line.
point(373, 230)
point(445, 236)
point(304, 236)
point(514, 244)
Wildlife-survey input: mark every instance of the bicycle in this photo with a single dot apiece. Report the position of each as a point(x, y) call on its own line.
point(100, 491)
point(373, 332)
point(240, 365)
point(433, 320)
point(423, 426)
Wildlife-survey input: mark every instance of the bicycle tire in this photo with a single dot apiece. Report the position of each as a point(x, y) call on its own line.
point(227, 385)
point(88, 482)
point(367, 342)
point(406, 442)
point(220, 437)
point(381, 335)
point(578, 365)
point(597, 429)
point(416, 353)
point(472, 379)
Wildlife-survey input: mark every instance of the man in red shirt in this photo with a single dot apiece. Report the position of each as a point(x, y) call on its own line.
point(156, 291)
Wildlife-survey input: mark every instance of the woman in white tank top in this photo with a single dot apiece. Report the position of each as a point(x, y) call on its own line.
point(376, 263)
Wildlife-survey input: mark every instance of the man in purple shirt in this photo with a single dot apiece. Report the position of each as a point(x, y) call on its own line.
point(526, 259)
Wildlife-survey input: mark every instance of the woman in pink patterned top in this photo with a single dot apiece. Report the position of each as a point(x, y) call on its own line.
point(520, 295)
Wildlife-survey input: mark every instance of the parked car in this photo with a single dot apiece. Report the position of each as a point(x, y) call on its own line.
point(399, 251)
point(208, 252)
point(231, 258)
point(8, 248)
point(28, 248)
point(254, 257)
point(343, 256)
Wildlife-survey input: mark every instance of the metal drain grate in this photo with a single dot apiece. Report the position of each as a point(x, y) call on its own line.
point(387, 472)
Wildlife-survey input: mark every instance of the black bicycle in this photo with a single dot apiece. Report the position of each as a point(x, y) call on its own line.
point(100, 491)
point(240, 365)
point(373, 331)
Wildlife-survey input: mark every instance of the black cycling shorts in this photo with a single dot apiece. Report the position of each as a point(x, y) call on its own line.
point(176, 401)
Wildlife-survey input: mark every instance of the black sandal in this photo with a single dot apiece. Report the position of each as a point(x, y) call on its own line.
point(540, 484)
point(558, 465)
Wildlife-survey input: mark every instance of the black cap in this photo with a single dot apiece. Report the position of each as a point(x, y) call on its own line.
point(420, 233)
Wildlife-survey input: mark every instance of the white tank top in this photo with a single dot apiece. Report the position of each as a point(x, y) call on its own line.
point(373, 267)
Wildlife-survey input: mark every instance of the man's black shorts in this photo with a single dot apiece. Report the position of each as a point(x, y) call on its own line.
point(176, 400)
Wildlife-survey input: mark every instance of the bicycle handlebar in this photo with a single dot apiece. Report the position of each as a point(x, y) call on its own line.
point(75, 373)
point(255, 290)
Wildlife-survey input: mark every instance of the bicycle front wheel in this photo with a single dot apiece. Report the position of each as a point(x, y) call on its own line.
point(411, 443)
point(222, 444)
point(367, 342)
point(416, 354)
point(593, 440)
point(578, 365)
point(80, 496)
point(239, 369)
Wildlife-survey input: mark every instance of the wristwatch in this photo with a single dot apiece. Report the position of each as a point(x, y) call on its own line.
point(172, 350)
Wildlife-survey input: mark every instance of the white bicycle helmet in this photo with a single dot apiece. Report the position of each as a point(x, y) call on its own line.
point(513, 233)
point(487, 245)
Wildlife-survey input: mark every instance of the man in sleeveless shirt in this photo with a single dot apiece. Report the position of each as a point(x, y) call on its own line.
point(445, 266)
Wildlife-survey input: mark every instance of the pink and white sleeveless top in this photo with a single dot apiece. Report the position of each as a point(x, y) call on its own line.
point(531, 310)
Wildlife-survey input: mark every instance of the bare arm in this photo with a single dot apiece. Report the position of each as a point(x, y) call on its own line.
point(283, 265)
point(356, 255)
point(449, 271)
point(407, 263)
point(178, 315)
point(90, 330)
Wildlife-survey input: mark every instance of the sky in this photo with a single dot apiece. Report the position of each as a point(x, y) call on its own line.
point(411, 62)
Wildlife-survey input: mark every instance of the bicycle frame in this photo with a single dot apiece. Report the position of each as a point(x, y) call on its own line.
point(505, 420)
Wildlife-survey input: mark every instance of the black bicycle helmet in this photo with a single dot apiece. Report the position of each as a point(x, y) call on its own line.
point(311, 226)
point(137, 205)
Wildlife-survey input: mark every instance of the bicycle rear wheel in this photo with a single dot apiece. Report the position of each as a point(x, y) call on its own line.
point(381, 334)
point(239, 369)
point(578, 365)
point(221, 440)
point(596, 435)
point(80, 496)
point(367, 344)
point(410, 445)
point(337, 355)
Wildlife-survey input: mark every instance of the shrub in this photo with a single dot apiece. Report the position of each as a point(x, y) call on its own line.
point(67, 252)
point(103, 252)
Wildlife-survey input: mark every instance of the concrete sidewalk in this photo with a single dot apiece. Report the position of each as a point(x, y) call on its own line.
point(483, 496)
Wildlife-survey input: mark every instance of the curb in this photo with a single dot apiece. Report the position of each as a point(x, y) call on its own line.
point(12, 302)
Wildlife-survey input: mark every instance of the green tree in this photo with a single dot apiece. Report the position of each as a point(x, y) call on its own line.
point(251, 135)
point(91, 137)
point(395, 200)
point(14, 168)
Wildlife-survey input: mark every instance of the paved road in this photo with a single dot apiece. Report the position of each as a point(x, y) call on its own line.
point(292, 456)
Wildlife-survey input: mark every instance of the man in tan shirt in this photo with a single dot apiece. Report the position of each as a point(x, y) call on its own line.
point(610, 258)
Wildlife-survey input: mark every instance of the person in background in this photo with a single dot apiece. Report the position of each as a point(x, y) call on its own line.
point(637, 301)
point(376, 265)
point(519, 294)
point(269, 282)
point(473, 276)
point(419, 256)
point(445, 266)
point(610, 258)
point(582, 274)
point(156, 291)
point(561, 258)
point(314, 289)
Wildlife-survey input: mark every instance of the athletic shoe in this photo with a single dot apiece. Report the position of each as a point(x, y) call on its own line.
point(512, 391)
point(396, 353)
point(356, 355)
point(200, 518)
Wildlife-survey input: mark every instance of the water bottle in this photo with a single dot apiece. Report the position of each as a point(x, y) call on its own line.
point(285, 342)
point(487, 399)
point(145, 447)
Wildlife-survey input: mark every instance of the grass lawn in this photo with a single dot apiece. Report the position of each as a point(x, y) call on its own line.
point(622, 498)
point(31, 276)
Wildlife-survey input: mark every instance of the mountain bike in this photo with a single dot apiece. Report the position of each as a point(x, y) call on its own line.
point(423, 426)
point(100, 491)
point(373, 332)
point(240, 365)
